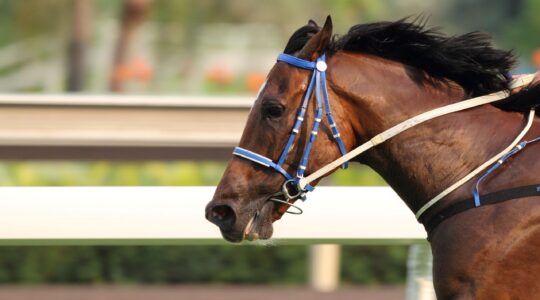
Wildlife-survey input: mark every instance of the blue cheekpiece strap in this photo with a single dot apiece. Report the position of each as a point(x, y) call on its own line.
point(317, 83)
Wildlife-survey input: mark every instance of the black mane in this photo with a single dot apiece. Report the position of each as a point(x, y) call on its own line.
point(469, 59)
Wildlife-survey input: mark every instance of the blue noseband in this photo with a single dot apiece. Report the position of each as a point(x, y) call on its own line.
point(317, 81)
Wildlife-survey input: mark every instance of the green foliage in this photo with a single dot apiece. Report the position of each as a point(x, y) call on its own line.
point(374, 265)
point(192, 264)
point(106, 173)
point(524, 28)
point(145, 173)
point(356, 174)
point(25, 19)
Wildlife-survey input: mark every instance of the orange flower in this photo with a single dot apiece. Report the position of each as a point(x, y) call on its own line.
point(536, 58)
point(220, 74)
point(254, 81)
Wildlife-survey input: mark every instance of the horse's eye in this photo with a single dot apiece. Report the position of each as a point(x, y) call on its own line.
point(273, 111)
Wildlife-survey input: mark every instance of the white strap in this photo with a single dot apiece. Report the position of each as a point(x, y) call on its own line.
point(479, 169)
point(399, 128)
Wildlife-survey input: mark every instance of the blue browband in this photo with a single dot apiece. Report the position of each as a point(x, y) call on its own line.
point(318, 80)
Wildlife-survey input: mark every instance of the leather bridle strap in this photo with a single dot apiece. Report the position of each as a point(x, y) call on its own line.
point(430, 222)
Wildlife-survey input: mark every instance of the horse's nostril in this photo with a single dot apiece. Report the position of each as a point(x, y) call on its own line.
point(223, 216)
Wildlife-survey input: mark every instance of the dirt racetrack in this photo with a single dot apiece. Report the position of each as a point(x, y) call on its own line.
point(194, 292)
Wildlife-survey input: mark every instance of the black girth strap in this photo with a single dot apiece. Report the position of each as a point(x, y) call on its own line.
point(491, 198)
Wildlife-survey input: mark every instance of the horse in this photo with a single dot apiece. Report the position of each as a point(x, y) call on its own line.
point(374, 77)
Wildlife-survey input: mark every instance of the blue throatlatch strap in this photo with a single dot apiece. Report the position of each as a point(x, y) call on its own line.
point(496, 165)
point(317, 82)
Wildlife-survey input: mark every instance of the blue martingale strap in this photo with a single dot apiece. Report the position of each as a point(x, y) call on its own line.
point(496, 165)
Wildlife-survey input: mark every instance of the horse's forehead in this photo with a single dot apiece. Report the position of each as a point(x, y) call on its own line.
point(282, 77)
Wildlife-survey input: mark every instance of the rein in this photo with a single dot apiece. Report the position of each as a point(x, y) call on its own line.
point(297, 187)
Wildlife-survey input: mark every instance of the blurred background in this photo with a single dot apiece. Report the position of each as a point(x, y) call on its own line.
point(212, 50)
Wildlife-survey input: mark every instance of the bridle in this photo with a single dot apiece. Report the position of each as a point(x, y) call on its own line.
point(291, 189)
point(296, 187)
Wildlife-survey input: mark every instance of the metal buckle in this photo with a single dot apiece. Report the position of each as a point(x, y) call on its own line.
point(290, 190)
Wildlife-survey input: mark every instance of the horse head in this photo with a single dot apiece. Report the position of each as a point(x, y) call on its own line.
point(240, 206)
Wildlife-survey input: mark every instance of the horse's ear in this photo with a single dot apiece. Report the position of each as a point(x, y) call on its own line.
point(312, 23)
point(318, 43)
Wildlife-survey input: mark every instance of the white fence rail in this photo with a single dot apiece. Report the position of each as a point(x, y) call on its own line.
point(176, 214)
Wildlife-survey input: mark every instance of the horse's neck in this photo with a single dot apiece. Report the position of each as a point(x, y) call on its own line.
point(427, 159)
point(424, 160)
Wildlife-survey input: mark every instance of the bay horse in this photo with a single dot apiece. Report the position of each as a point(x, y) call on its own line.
point(374, 77)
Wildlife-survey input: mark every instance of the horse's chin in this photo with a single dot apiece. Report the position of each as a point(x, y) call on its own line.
point(259, 227)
